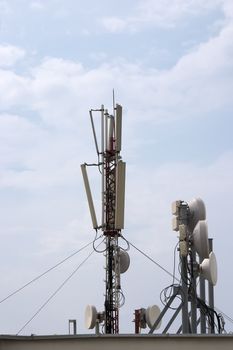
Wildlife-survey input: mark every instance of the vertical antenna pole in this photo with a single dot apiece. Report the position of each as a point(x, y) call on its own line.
point(102, 161)
point(211, 292)
point(111, 231)
point(202, 297)
point(185, 313)
point(193, 293)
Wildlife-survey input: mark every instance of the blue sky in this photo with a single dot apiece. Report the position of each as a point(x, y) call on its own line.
point(170, 63)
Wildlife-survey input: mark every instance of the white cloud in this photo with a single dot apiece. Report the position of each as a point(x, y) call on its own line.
point(114, 24)
point(60, 92)
point(9, 55)
point(228, 8)
point(4, 7)
point(37, 5)
point(158, 13)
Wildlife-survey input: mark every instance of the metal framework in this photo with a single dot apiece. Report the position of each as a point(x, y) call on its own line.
point(191, 305)
point(113, 187)
point(111, 240)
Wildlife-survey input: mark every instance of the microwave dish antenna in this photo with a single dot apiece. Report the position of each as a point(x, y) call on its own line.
point(151, 315)
point(197, 212)
point(200, 239)
point(90, 316)
point(209, 270)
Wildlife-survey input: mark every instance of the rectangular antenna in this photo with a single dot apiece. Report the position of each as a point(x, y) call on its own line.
point(120, 195)
point(110, 133)
point(89, 196)
point(94, 133)
point(118, 127)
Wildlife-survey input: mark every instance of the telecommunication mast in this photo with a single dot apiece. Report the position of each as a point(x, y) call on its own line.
point(112, 170)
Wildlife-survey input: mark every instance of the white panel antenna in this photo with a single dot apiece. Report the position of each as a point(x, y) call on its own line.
point(120, 195)
point(118, 127)
point(200, 239)
point(89, 196)
point(110, 132)
point(94, 133)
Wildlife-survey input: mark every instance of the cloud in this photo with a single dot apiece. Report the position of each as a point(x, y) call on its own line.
point(61, 90)
point(37, 5)
point(9, 55)
point(4, 7)
point(114, 24)
point(162, 13)
point(227, 6)
point(58, 93)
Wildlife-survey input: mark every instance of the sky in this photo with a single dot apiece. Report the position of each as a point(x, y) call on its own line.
point(170, 64)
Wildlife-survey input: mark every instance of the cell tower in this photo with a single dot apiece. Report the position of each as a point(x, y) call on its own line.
point(197, 264)
point(197, 261)
point(112, 170)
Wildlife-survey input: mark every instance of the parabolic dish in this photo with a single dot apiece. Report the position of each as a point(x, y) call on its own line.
point(152, 313)
point(200, 239)
point(90, 316)
point(197, 212)
point(124, 261)
point(209, 269)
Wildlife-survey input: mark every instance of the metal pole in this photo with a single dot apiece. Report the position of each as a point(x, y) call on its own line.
point(211, 293)
point(184, 295)
point(162, 313)
point(172, 319)
point(137, 314)
point(102, 167)
point(202, 297)
point(111, 234)
point(193, 294)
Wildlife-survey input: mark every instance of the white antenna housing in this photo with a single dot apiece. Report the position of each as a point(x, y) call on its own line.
point(208, 268)
point(118, 127)
point(89, 196)
point(90, 316)
point(124, 261)
point(110, 133)
point(197, 212)
point(120, 195)
point(200, 239)
point(151, 315)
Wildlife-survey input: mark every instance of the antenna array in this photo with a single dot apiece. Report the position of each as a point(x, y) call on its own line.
point(113, 198)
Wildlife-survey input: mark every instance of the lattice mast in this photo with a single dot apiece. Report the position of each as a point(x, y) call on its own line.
point(113, 193)
point(111, 228)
